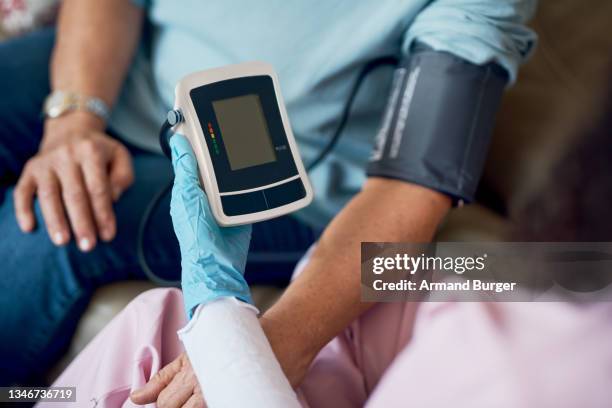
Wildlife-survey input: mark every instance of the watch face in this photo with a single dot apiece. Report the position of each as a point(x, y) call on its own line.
point(58, 103)
point(54, 111)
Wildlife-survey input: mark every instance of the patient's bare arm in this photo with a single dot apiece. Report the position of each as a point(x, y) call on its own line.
point(325, 298)
point(79, 170)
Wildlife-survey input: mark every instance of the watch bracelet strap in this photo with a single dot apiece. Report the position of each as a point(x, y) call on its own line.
point(96, 106)
point(85, 103)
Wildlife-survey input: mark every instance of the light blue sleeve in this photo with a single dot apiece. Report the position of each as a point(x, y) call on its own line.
point(479, 31)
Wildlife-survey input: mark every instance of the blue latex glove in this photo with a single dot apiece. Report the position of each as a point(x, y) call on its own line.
point(212, 257)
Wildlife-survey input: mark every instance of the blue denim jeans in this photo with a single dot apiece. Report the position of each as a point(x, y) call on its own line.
point(44, 288)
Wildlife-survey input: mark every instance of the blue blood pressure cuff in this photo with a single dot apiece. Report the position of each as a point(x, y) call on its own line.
point(438, 122)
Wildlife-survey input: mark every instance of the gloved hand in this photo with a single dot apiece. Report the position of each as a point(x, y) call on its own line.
point(212, 257)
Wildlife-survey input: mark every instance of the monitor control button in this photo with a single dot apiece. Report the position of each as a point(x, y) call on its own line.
point(285, 193)
point(247, 203)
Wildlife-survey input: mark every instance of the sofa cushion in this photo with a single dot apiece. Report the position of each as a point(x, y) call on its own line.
point(558, 93)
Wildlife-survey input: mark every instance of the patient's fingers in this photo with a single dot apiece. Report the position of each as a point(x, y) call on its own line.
point(24, 197)
point(180, 389)
point(151, 390)
point(196, 401)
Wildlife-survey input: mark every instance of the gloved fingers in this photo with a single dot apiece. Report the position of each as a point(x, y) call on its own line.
point(188, 205)
point(183, 160)
point(212, 258)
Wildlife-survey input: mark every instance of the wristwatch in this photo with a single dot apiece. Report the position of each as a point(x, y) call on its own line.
point(59, 103)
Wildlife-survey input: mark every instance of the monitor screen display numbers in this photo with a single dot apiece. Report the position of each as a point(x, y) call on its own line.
point(244, 131)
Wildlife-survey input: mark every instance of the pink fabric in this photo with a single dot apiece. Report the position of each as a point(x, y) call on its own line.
point(428, 355)
point(136, 344)
point(468, 355)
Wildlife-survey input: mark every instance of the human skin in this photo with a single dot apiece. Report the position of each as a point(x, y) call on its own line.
point(79, 171)
point(326, 296)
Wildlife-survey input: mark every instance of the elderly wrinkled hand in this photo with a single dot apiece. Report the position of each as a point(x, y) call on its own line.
point(212, 257)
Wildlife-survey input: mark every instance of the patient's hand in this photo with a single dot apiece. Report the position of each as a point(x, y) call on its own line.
point(77, 174)
point(174, 386)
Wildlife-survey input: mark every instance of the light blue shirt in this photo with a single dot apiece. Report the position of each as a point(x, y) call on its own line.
point(318, 49)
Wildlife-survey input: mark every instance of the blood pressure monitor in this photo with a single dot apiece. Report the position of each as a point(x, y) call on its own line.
point(239, 129)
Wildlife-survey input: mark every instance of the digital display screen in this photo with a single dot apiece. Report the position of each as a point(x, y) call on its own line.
point(244, 131)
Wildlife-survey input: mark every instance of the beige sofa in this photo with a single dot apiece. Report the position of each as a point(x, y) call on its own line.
point(558, 92)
